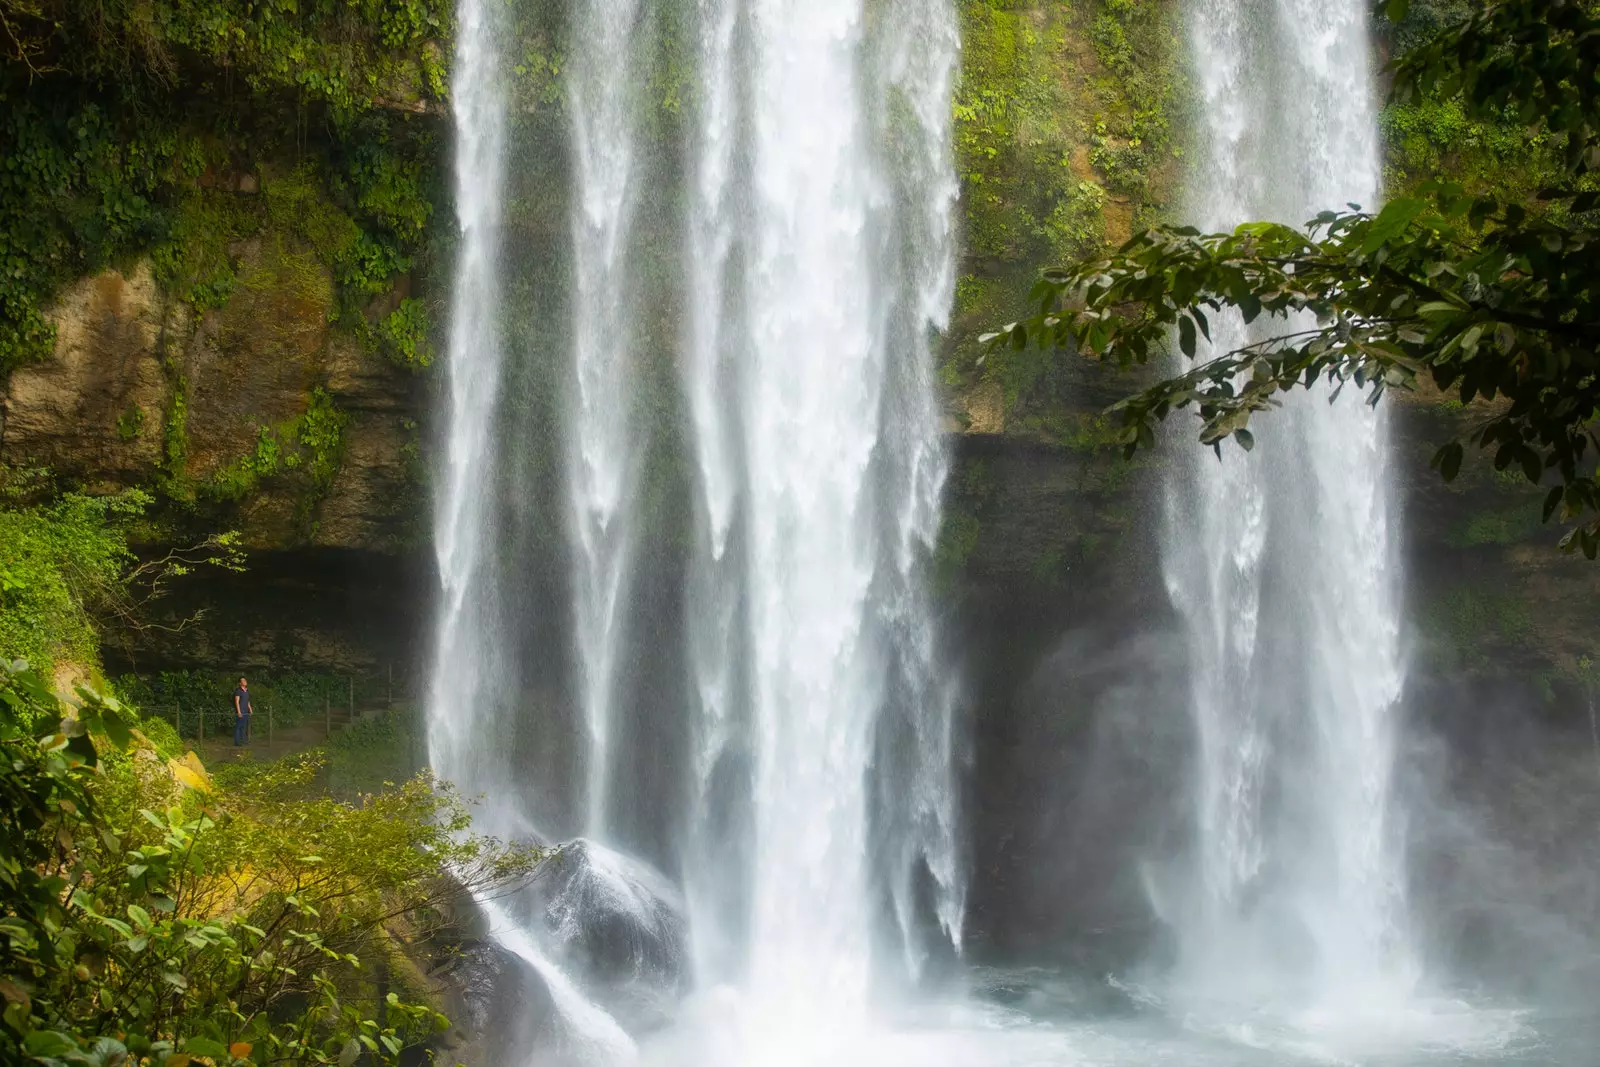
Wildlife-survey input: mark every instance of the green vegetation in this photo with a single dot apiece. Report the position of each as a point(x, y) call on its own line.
point(136, 127)
point(65, 566)
point(1491, 301)
point(311, 442)
point(153, 915)
point(60, 562)
point(1065, 123)
point(150, 915)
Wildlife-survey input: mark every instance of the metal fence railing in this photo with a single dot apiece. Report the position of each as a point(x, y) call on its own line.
point(200, 705)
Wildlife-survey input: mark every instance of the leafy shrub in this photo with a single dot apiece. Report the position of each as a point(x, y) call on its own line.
point(58, 562)
point(152, 915)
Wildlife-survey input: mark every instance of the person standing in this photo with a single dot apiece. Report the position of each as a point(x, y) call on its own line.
point(241, 713)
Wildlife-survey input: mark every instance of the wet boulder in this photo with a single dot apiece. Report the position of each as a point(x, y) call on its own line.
point(618, 926)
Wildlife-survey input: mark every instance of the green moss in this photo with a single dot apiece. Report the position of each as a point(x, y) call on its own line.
point(239, 478)
point(958, 539)
point(312, 444)
point(174, 432)
point(1065, 117)
point(1506, 527)
point(195, 262)
point(130, 423)
point(1473, 628)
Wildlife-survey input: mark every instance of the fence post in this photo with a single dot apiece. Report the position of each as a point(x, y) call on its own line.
point(269, 729)
point(352, 681)
point(388, 700)
point(177, 719)
point(202, 722)
point(327, 714)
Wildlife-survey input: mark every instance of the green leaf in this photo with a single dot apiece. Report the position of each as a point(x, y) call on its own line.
point(1552, 501)
point(1532, 466)
point(49, 1043)
point(1447, 461)
point(1396, 10)
point(1186, 335)
point(204, 1046)
point(1391, 222)
point(1246, 439)
point(115, 728)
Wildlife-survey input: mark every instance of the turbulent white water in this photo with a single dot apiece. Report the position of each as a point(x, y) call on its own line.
point(1285, 564)
point(809, 380)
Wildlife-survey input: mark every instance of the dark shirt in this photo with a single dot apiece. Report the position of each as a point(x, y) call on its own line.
point(243, 696)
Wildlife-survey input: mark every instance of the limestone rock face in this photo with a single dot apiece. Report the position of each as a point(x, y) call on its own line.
point(93, 411)
point(139, 388)
point(254, 362)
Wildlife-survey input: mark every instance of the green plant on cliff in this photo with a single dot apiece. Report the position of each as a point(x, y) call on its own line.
point(151, 915)
point(1064, 120)
point(311, 443)
point(140, 126)
point(1491, 301)
point(65, 567)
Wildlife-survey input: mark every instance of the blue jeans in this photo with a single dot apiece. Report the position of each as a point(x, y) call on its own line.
point(241, 728)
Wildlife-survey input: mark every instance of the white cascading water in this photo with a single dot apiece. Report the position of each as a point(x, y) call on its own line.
point(1285, 564)
point(818, 851)
point(467, 653)
point(603, 452)
point(809, 381)
point(467, 706)
point(710, 368)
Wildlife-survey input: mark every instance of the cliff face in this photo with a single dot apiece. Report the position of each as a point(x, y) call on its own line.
point(259, 416)
point(143, 391)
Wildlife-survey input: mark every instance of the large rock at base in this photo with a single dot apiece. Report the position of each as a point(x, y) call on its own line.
point(617, 925)
point(498, 1007)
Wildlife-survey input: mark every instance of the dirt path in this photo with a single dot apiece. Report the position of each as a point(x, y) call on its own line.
point(286, 740)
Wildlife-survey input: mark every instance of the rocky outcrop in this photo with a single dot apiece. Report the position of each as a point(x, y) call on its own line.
point(260, 416)
point(142, 391)
point(94, 410)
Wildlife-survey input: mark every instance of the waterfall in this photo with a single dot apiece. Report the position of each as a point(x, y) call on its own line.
point(819, 262)
point(468, 655)
point(603, 452)
point(817, 845)
point(1284, 563)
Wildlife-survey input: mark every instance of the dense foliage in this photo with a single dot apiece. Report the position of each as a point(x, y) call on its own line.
point(149, 914)
point(66, 568)
point(1479, 295)
point(147, 126)
point(58, 561)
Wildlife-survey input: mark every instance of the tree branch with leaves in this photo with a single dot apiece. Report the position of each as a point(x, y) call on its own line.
point(1493, 302)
